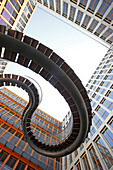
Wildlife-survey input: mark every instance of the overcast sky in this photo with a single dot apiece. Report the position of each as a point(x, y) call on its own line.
point(82, 53)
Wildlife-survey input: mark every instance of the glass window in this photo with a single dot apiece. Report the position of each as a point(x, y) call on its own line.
point(111, 95)
point(109, 77)
point(111, 124)
point(32, 3)
point(5, 126)
point(1, 122)
point(29, 168)
point(26, 12)
point(76, 153)
point(83, 2)
point(94, 87)
point(81, 146)
point(79, 16)
point(18, 134)
point(103, 112)
point(97, 97)
point(103, 8)
point(58, 5)
point(11, 130)
point(1, 131)
point(72, 12)
point(108, 104)
point(2, 22)
point(3, 156)
point(97, 82)
point(55, 122)
point(86, 20)
point(93, 25)
point(7, 135)
point(90, 93)
point(100, 77)
point(101, 90)
point(15, 4)
point(21, 1)
point(107, 66)
point(97, 121)
point(93, 104)
point(65, 8)
point(77, 165)
point(85, 162)
point(1, 71)
point(109, 137)
point(95, 159)
point(110, 15)
point(13, 118)
point(21, 144)
point(2, 67)
point(29, 8)
point(51, 162)
point(8, 115)
point(28, 149)
point(107, 33)
point(10, 9)
point(92, 130)
point(19, 27)
point(35, 154)
point(105, 153)
point(7, 17)
point(14, 140)
point(11, 161)
point(4, 63)
point(93, 4)
point(43, 159)
point(22, 23)
point(20, 165)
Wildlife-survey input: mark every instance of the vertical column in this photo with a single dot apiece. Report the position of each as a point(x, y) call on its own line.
point(90, 161)
point(54, 5)
point(2, 5)
point(103, 164)
point(14, 167)
point(81, 164)
point(68, 160)
point(68, 13)
point(63, 163)
point(5, 161)
point(106, 143)
point(61, 7)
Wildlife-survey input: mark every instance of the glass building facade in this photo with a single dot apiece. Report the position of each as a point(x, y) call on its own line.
point(97, 150)
point(96, 17)
point(15, 153)
point(95, 153)
point(93, 16)
point(15, 14)
point(3, 65)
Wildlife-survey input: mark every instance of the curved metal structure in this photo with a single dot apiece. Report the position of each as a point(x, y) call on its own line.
point(25, 84)
point(43, 61)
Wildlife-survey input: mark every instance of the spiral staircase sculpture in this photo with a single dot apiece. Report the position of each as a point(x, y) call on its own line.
point(28, 52)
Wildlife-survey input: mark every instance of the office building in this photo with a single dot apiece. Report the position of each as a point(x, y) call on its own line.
point(16, 14)
point(15, 153)
point(3, 65)
point(97, 150)
point(94, 17)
